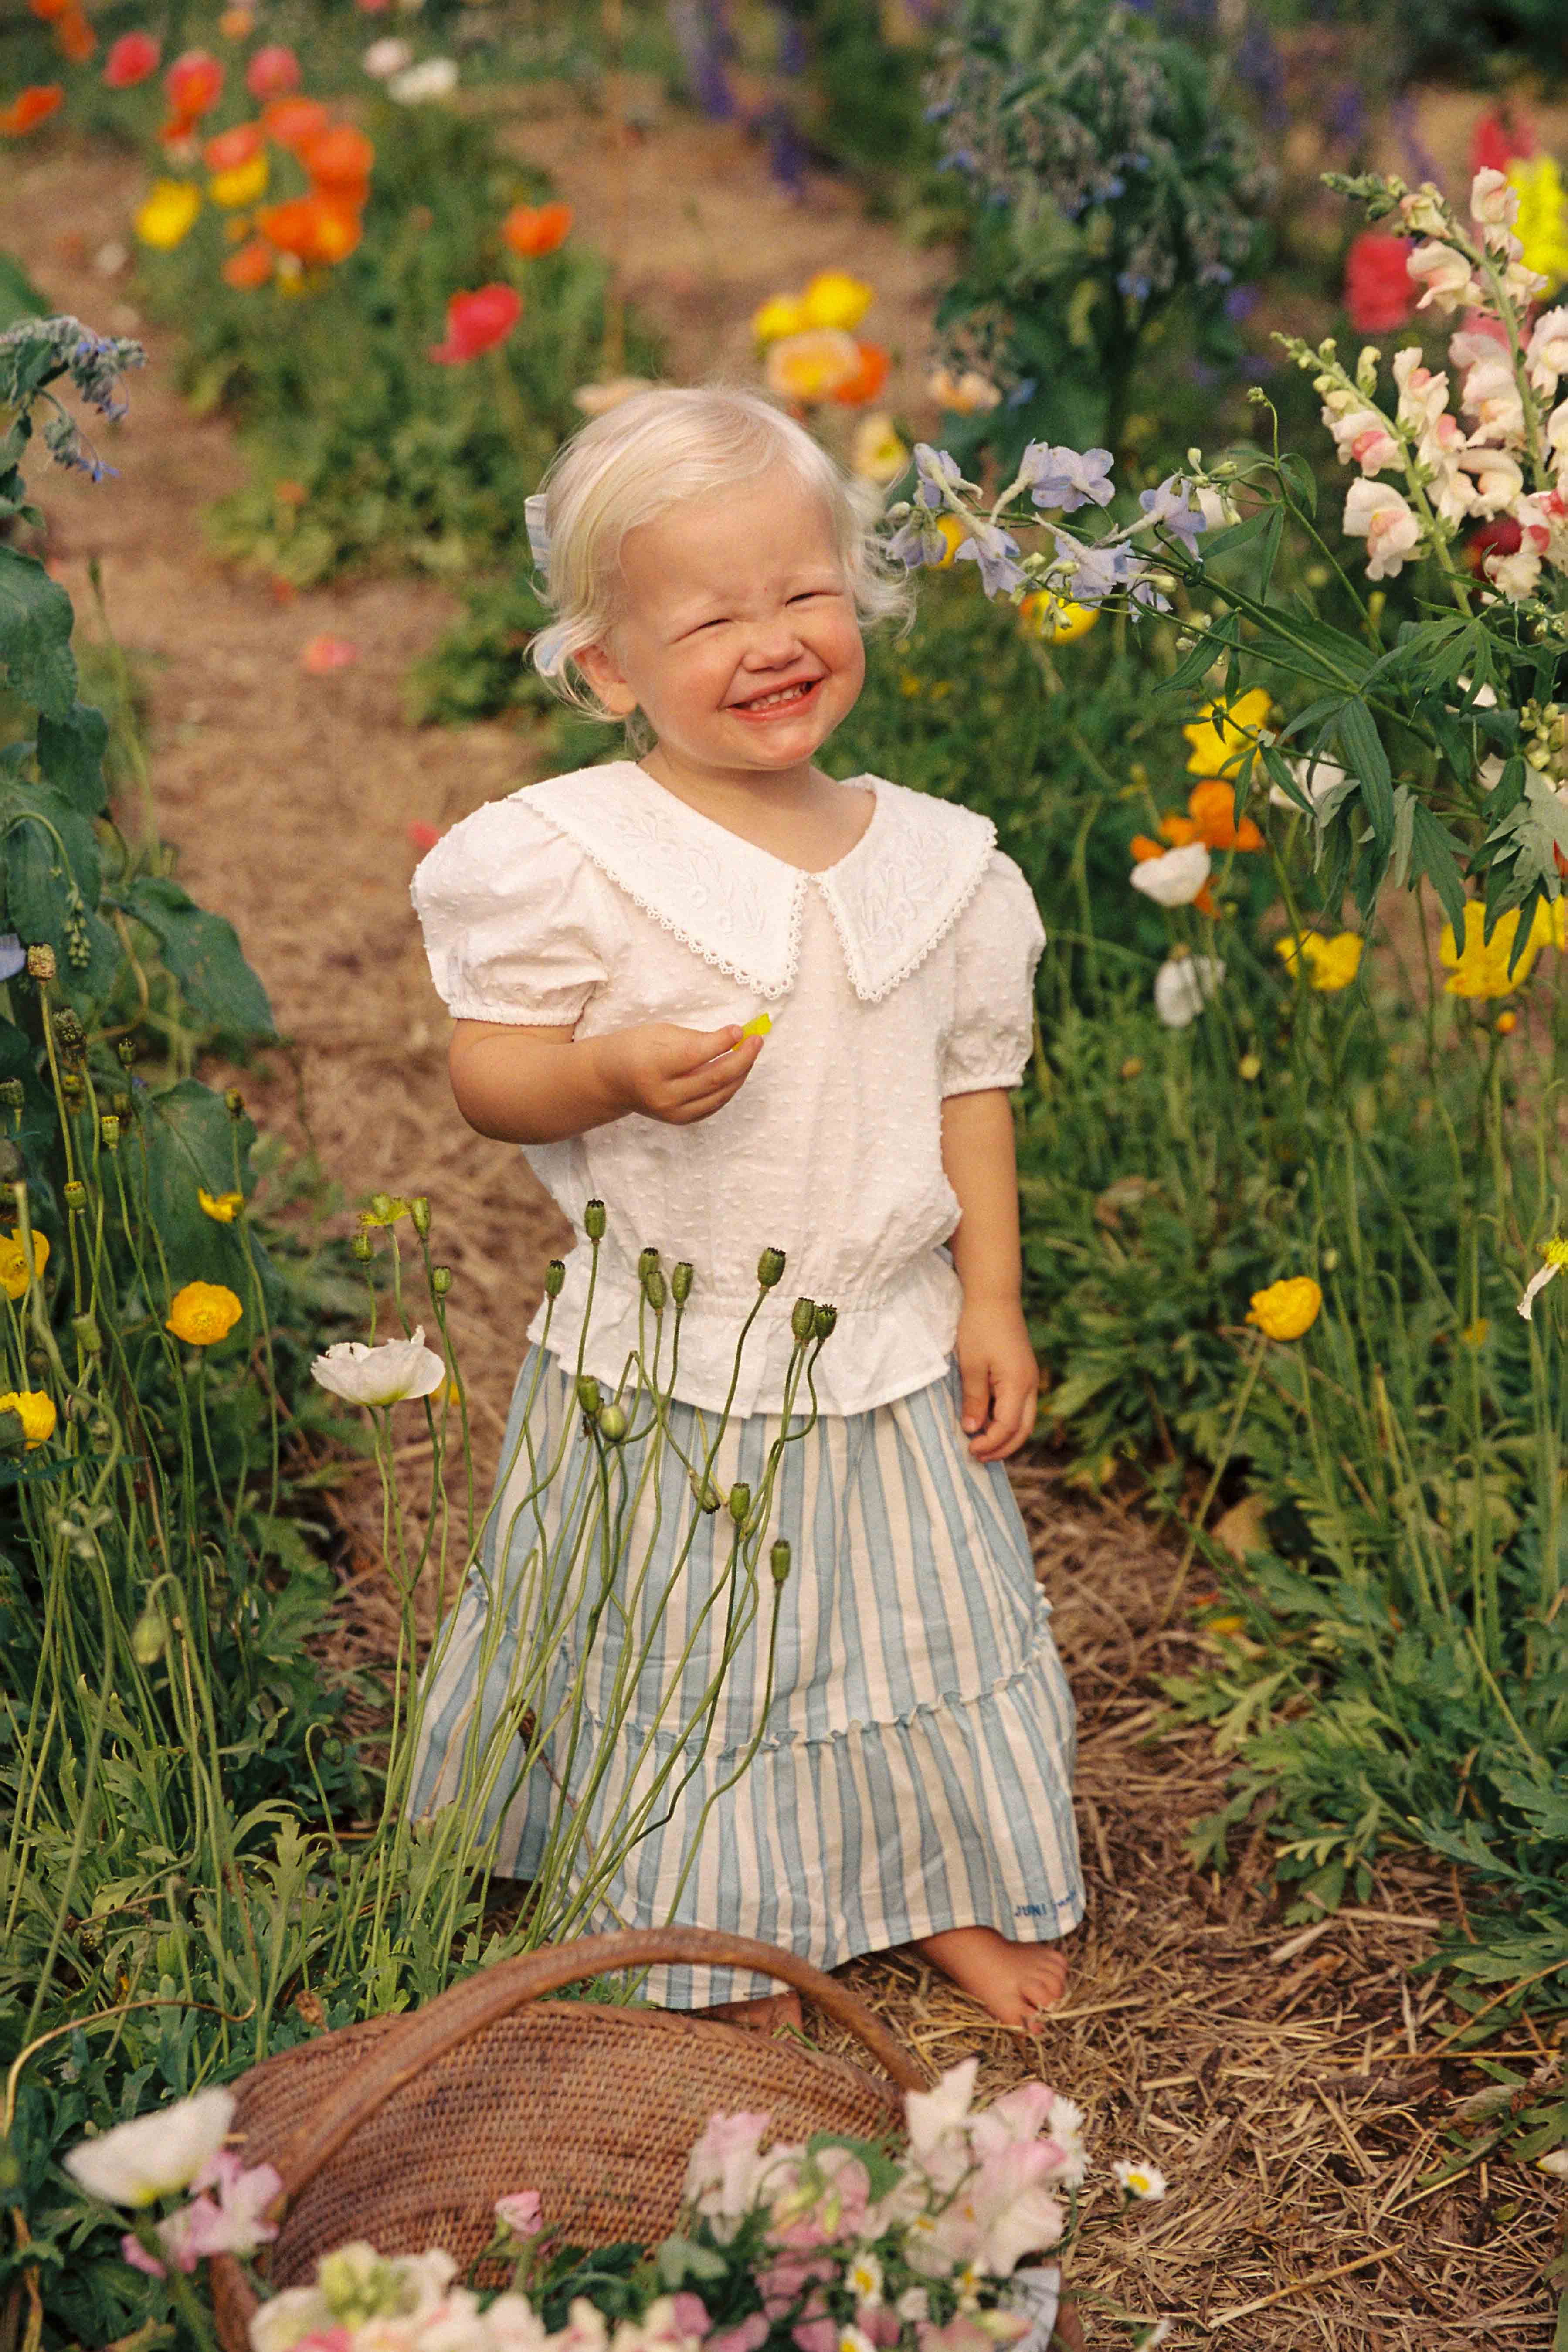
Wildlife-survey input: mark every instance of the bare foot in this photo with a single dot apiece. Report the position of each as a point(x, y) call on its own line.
point(764, 2015)
point(1013, 1981)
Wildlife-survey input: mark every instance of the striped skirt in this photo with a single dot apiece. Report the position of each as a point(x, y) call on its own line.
point(876, 1748)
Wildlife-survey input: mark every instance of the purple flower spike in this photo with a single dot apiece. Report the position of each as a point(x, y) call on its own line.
point(1066, 479)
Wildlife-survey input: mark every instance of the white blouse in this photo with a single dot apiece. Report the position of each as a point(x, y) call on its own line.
point(899, 976)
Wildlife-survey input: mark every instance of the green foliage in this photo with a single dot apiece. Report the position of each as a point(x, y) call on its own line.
point(363, 449)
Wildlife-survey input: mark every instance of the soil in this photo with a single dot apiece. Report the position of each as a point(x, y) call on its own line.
point(1292, 2081)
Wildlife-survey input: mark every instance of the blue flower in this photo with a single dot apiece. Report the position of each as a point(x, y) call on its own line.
point(12, 956)
point(993, 551)
point(1171, 506)
point(1135, 289)
point(1066, 479)
point(917, 543)
point(936, 470)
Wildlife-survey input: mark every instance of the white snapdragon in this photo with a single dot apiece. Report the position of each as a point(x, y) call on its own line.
point(1446, 276)
point(1546, 354)
point(1492, 395)
point(1377, 512)
point(1423, 392)
point(1498, 479)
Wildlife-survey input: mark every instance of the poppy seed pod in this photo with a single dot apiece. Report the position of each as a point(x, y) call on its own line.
point(680, 1279)
point(740, 1502)
point(779, 1561)
point(440, 1281)
point(76, 1195)
point(824, 1322)
point(588, 1393)
point(654, 1290)
point(594, 1221)
point(647, 1262)
point(362, 1248)
point(612, 1424)
point(770, 1269)
point(419, 1212)
point(803, 1317)
point(555, 1276)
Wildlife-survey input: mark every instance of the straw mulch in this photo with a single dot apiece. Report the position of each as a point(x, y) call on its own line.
point(1289, 2080)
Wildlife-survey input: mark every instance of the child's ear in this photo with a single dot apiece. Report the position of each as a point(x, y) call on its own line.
point(599, 667)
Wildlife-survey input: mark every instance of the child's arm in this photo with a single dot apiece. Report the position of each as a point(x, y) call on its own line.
point(1001, 1378)
point(525, 1085)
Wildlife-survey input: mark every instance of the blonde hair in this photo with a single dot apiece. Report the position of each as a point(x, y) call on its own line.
point(651, 452)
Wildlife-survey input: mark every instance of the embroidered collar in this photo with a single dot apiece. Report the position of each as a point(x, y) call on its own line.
point(892, 897)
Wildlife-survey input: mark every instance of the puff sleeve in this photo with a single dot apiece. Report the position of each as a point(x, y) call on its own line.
point(515, 926)
point(998, 942)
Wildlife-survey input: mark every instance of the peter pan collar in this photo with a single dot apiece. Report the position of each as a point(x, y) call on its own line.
point(892, 897)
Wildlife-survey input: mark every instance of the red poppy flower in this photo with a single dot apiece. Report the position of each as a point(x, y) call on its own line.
point(325, 653)
point(232, 149)
point(311, 228)
point(273, 72)
point(533, 229)
point(1497, 140)
point(74, 36)
point(29, 108)
point(293, 122)
point(251, 267)
point(1379, 293)
point(338, 159)
point(48, 9)
point(477, 322)
point(194, 84)
point(867, 379)
point(131, 58)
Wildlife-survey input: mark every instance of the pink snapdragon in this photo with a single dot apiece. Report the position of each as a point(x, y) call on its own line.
point(235, 2224)
point(1546, 355)
point(1447, 277)
point(1376, 513)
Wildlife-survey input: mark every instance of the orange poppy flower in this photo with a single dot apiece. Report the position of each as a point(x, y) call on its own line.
point(231, 149)
point(49, 9)
point(1179, 830)
point(74, 36)
point(251, 267)
point(31, 108)
point(295, 121)
point(311, 228)
point(533, 229)
point(338, 158)
point(1212, 807)
point(867, 379)
point(194, 84)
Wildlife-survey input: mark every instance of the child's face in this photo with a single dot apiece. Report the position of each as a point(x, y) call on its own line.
point(737, 636)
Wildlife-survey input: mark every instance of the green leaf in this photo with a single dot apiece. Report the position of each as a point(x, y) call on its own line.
point(1368, 763)
point(204, 953)
point(36, 620)
point(1404, 836)
point(1531, 834)
point(71, 756)
point(1434, 853)
point(189, 1139)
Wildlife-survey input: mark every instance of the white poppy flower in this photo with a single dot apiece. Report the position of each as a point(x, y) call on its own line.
point(1315, 779)
point(153, 2156)
point(1556, 1254)
point(1175, 879)
point(1554, 2162)
point(1182, 986)
point(388, 1374)
point(416, 85)
point(388, 56)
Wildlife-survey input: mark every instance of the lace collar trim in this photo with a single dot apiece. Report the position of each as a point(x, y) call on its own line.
point(892, 897)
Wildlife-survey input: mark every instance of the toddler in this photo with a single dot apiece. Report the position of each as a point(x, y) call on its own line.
point(603, 939)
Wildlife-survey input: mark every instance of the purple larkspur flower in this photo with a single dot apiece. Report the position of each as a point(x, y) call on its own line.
point(995, 550)
point(916, 543)
point(1171, 507)
point(936, 470)
point(1066, 479)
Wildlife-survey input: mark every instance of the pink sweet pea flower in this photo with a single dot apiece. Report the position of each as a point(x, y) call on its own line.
point(520, 2212)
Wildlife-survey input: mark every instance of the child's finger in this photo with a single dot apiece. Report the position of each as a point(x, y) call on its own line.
point(975, 1409)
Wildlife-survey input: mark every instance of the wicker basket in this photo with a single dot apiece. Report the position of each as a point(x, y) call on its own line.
point(406, 2131)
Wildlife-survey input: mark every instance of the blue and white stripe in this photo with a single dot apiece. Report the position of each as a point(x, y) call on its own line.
point(914, 1764)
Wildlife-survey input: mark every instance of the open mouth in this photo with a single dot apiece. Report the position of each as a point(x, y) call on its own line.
point(784, 698)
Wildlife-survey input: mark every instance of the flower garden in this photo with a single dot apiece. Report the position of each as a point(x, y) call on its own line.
point(1211, 370)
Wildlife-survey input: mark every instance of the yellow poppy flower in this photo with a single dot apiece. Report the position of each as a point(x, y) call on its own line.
point(1285, 1310)
point(810, 366)
point(1225, 732)
point(1332, 964)
point(14, 1274)
point(34, 1410)
point(203, 1313)
point(878, 455)
point(242, 186)
point(780, 315)
point(1542, 224)
point(953, 532)
point(1480, 969)
point(1057, 618)
point(222, 1207)
point(167, 213)
point(385, 1208)
point(834, 299)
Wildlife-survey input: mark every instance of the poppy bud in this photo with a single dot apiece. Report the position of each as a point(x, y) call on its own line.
point(440, 1281)
point(363, 1248)
point(594, 1221)
point(824, 1320)
point(770, 1267)
point(588, 1393)
point(419, 1212)
point(555, 1276)
point(88, 1334)
point(234, 1103)
point(803, 1315)
point(740, 1502)
point(109, 1131)
point(680, 1278)
point(706, 1493)
point(148, 1636)
point(612, 1424)
point(779, 1558)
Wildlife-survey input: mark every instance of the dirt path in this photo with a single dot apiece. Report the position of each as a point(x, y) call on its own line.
point(1274, 2075)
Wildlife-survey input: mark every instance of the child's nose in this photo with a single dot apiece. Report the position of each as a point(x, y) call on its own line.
point(772, 641)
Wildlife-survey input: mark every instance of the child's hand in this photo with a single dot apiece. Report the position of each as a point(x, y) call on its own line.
point(1001, 1379)
point(679, 1076)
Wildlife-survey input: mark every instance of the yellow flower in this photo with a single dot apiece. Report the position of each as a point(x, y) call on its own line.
point(1225, 732)
point(1474, 1335)
point(781, 314)
point(34, 1410)
point(243, 186)
point(1057, 618)
point(834, 299)
point(385, 1208)
point(223, 1207)
point(1332, 964)
point(1481, 970)
point(166, 215)
point(877, 453)
point(811, 366)
point(1286, 1308)
point(14, 1264)
point(203, 1313)
point(953, 532)
point(1542, 224)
